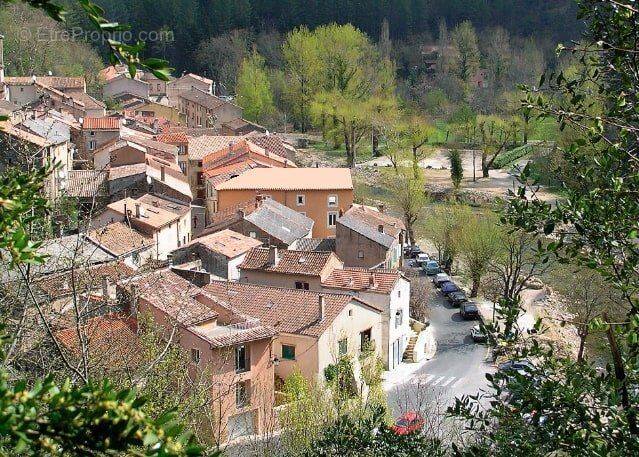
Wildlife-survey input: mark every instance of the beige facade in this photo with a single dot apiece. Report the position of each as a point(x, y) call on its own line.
point(124, 84)
point(207, 110)
point(186, 83)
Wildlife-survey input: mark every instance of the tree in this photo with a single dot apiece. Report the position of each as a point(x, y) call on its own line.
point(496, 135)
point(412, 133)
point(456, 168)
point(498, 58)
point(466, 51)
point(443, 225)
point(479, 243)
point(408, 190)
point(221, 58)
point(254, 89)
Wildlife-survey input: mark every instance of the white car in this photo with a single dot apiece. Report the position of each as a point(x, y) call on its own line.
point(421, 259)
point(440, 278)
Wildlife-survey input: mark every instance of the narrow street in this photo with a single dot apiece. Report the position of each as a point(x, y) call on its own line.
point(458, 368)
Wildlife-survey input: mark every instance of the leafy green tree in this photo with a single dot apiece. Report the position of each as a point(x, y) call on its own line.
point(496, 134)
point(466, 58)
point(254, 89)
point(456, 168)
point(409, 193)
point(442, 226)
point(479, 243)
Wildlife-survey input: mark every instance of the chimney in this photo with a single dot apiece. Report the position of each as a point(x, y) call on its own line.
point(321, 306)
point(273, 256)
point(380, 207)
point(380, 228)
point(137, 210)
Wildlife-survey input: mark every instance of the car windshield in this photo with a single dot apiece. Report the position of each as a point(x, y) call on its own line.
point(432, 264)
point(470, 308)
point(402, 423)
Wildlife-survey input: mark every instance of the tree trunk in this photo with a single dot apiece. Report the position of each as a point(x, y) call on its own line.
point(375, 143)
point(415, 163)
point(583, 333)
point(484, 166)
point(475, 287)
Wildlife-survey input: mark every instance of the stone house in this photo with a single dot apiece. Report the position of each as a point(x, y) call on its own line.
point(124, 84)
point(370, 238)
point(96, 132)
point(186, 83)
point(205, 110)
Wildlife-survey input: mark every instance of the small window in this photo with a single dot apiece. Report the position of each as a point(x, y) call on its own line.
point(332, 200)
point(288, 352)
point(242, 397)
point(332, 218)
point(399, 318)
point(22, 89)
point(301, 200)
point(242, 362)
point(92, 133)
point(350, 312)
point(360, 254)
point(399, 294)
point(342, 346)
point(91, 145)
point(301, 285)
point(195, 356)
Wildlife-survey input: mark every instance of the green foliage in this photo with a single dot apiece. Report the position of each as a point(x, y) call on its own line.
point(368, 435)
point(512, 156)
point(456, 168)
point(254, 90)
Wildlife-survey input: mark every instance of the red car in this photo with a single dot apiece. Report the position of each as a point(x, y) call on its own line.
point(408, 423)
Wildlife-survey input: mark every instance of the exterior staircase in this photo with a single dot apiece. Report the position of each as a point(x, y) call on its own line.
point(408, 352)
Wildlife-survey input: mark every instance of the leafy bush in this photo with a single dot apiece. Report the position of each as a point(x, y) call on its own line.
point(509, 157)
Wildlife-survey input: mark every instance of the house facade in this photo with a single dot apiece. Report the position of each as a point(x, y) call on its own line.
point(205, 110)
point(321, 194)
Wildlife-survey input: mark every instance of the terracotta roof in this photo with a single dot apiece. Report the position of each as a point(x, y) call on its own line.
point(194, 76)
point(176, 207)
point(57, 82)
point(271, 143)
point(119, 238)
point(173, 138)
point(151, 216)
point(311, 263)
point(101, 123)
point(366, 221)
point(204, 99)
point(6, 128)
point(286, 310)
point(87, 100)
point(291, 179)
point(227, 242)
point(126, 170)
point(221, 174)
point(239, 149)
point(87, 183)
point(111, 340)
point(361, 279)
point(199, 146)
point(86, 279)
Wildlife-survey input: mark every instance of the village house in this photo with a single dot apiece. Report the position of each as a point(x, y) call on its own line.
point(130, 149)
point(266, 220)
point(314, 329)
point(151, 109)
point(205, 110)
point(23, 90)
point(219, 253)
point(167, 221)
point(181, 141)
point(287, 268)
point(124, 84)
point(133, 247)
point(222, 340)
point(322, 194)
point(241, 127)
point(96, 132)
point(389, 291)
point(198, 147)
point(368, 237)
point(186, 83)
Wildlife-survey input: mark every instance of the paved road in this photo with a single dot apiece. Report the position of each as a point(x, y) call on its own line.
point(458, 367)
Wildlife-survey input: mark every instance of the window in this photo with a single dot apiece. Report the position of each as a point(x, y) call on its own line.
point(399, 294)
point(195, 356)
point(91, 145)
point(332, 218)
point(242, 397)
point(253, 234)
point(399, 318)
point(364, 339)
point(301, 285)
point(360, 254)
point(301, 200)
point(342, 346)
point(332, 200)
point(288, 352)
point(92, 133)
point(162, 173)
point(350, 312)
point(195, 222)
point(242, 361)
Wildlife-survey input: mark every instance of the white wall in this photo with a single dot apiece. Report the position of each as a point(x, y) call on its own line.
point(233, 270)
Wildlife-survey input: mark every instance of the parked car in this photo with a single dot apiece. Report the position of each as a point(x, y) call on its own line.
point(457, 298)
point(468, 310)
point(523, 367)
point(478, 335)
point(441, 278)
point(421, 259)
point(449, 287)
point(407, 423)
point(411, 251)
point(431, 267)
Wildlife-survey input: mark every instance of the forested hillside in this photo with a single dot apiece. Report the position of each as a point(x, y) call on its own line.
point(194, 21)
